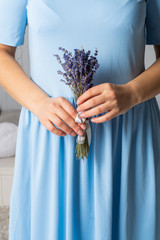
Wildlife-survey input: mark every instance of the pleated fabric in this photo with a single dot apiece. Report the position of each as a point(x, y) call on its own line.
point(114, 194)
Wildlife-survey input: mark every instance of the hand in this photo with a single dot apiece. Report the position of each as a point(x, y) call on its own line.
point(114, 98)
point(54, 110)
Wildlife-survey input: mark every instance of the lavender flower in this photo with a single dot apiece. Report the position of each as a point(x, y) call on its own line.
point(79, 69)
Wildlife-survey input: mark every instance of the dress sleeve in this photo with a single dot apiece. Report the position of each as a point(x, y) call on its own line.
point(152, 22)
point(13, 21)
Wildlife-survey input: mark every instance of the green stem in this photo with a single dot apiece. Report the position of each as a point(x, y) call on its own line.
point(82, 150)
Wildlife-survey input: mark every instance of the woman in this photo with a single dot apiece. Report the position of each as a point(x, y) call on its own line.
point(115, 193)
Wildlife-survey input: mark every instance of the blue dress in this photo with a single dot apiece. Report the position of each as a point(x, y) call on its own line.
point(115, 193)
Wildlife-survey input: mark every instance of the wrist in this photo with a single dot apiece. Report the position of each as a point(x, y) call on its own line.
point(37, 105)
point(133, 93)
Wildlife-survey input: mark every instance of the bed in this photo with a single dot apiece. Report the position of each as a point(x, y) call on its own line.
point(7, 163)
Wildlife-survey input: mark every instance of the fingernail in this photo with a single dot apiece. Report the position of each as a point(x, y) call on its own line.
point(82, 115)
point(73, 134)
point(78, 101)
point(80, 132)
point(83, 126)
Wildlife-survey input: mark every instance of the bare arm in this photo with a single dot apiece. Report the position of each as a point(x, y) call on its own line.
point(147, 85)
point(49, 110)
point(15, 81)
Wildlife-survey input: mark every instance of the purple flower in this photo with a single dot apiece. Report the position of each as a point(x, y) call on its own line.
point(79, 69)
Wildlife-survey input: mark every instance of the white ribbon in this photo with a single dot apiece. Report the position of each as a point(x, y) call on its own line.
point(81, 139)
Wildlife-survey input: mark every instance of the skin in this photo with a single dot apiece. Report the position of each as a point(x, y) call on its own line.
point(119, 98)
point(116, 98)
point(49, 110)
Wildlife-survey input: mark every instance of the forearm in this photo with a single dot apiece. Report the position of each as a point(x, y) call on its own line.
point(147, 84)
point(18, 85)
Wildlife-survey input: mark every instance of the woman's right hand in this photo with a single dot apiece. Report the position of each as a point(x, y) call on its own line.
point(52, 111)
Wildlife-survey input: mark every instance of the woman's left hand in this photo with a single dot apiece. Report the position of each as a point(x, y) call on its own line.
point(114, 98)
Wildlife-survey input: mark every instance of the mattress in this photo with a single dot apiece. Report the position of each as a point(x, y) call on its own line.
point(13, 117)
point(10, 116)
point(7, 165)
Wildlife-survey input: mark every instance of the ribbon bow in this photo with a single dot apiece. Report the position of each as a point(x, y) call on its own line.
point(81, 139)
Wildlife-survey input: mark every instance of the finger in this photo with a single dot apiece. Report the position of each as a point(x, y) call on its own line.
point(95, 111)
point(72, 125)
point(95, 90)
point(61, 124)
point(91, 103)
point(106, 117)
point(53, 129)
point(82, 125)
point(68, 107)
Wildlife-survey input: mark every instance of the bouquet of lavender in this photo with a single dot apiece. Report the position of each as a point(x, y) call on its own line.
point(79, 71)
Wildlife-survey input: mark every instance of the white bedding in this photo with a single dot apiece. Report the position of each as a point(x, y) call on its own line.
point(8, 140)
point(8, 137)
point(10, 116)
point(6, 163)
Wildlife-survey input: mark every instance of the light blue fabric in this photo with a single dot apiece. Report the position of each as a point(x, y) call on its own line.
point(13, 20)
point(115, 193)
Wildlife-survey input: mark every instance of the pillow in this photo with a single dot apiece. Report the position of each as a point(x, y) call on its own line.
point(10, 116)
point(8, 137)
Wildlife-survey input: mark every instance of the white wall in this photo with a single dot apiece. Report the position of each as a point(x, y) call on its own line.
point(22, 56)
